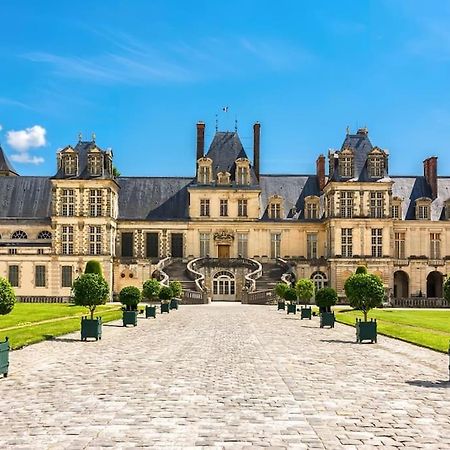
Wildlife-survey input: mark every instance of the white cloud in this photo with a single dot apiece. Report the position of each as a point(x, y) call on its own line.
point(24, 140)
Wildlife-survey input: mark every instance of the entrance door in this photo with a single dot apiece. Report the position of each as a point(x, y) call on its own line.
point(223, 251)
point(224, 287)
point(177, 245)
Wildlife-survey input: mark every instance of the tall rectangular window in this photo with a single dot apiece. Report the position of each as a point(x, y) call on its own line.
point(13, 275)
point(242, 175)
point(204, 207)
point(395, 211)
point(435, 245)
point(204, 244)
point(127, 245)
point(95, 202)
point(423, 212)
point(346, 242)
point(67, 240)
point(39, 276)
point(223, 207)
point(152, 245)
point(242, 208)
point(346, 204)
point(311, 210)
point(66, 276)
point(346, 166)
point(242, 239)
point(376, 205)
point(399, 245)
point(275, 245)
point(95, 240)
point(95, 165)
point(67, 202)
point(377, 242)
point(275, 211)
point(311, 245)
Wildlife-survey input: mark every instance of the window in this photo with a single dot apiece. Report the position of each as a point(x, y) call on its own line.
point(95, 202)
point(40, 251)
point(242, 240)
point(346, 204)
point(311, 245)
point(376, 166)
point(19, 234)
point(242, 175)
point(66, 276)
point(13, 275)
point(223, 178)
point(70, 164)
point(95, 165)
point(320, 280)
point(152, 247)
point(330, 205)
point(127, 245)
point(223, 283)
point(311, 210)
point(223, 207)
point(44, 234)
point(395, 211)
point(68, 202)
point(376, 205)
point(377, 242)
point(39, 276)
point(204, 244)
point(423, 212)
point(435, 245)
point(67, 240)
point(346, 164)
point(204, 207)
point(275, 211)
point(347, 242)
point(204, 174)
point(242, 208)
point(12, 251)
point(95, 240)
point(275, 245)
point(399, 245)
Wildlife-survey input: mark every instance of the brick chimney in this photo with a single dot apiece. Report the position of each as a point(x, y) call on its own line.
point(320, 171)
point(256, 147)
point(430, 174)
point(200, 140)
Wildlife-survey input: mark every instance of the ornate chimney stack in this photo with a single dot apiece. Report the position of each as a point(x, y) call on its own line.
point(320, 171)
point(430, 174)
point(200, 140)
point(256, 147)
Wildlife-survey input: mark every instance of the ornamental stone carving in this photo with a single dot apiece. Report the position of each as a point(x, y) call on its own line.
point(224, 236)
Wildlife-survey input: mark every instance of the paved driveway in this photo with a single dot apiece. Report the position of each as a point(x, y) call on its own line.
point(225, 376)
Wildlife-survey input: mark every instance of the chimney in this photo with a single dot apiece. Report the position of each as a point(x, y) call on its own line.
point(320, 170)
point(200, 140)
point(256, 147)
point(430, 174)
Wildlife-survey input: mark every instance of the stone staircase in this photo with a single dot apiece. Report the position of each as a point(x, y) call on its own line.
point(270, 277)
point(177, 272)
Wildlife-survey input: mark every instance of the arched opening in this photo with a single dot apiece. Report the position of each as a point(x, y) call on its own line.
point(224, 286)
point(320, 280)
point(434, 284)
point(401, 284)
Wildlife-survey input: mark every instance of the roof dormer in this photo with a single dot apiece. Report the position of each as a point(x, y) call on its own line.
point(377, 163)
point(68, 161)
point(243, 171)
point(204, 170)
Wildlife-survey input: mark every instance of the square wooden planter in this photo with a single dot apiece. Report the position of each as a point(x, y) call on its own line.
point(366, 331)
point(292, 309)
point(91, 328)
point(165, 307)
point(4, 357)
point(327, 319)
point(150, 311)
point(305, 313)
point(174, 303)
point(129, 318)
point(281, 305)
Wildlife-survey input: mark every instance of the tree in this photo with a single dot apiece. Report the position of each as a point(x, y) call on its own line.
point(290, 295)
point(364, 292)
point(280, 289)
point(130, 296)
point(165, 293)
point(177, 289)
point(361, 269)
point(446, 290)
point(305, 289)
point(90, 290)
point(93, 266)
point(7, 297)
point(151, 288)
point(326, 298)
point(116, 172)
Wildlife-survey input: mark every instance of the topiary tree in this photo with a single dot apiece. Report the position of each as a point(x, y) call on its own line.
point(93, 266)
point(165, 293)
point(177, 289)
point(151, 288)
point(326, 298)
point(361, 269)
point(305, 289)
point(130, 296)
point(7, 297)
point(280, 289)
point(364, 292)
point(290, 295)
point(90, 290)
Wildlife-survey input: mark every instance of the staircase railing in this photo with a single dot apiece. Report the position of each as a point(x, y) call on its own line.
point(162, 264)
point(288, 276)
point(195, 275)
point(250, 278)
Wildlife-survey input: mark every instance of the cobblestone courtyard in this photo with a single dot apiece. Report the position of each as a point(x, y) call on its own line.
point(225, 376)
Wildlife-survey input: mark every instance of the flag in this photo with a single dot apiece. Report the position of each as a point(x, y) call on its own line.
point(225, 109)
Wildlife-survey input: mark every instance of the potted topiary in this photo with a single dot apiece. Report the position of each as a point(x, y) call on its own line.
point(177, 290)
point(165, 294)
point(364, 291)
point(90, 290)
point(290, 295)
point(130, 296)
point(280, 289)
point(325, 299)
point(7, 301)
point(305, 292)
point(93, 266)
point(150, 291)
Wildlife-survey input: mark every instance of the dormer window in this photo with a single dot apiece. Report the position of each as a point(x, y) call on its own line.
point(275, 207)
point(377, 163)
point(95, 162)
point(242, 171)
point(346, 163)
point(423, 208)
point(70, 164)
point(312, 207)
point(204, 171)
point(223, 178)
point(396, 208)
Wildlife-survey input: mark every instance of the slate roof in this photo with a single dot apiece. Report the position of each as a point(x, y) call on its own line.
point(5, 165)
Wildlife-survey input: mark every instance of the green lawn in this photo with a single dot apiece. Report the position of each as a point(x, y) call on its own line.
point(428, 328)
point(24, 324)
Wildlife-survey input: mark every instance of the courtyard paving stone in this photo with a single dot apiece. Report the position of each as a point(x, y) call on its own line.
point(225, 376)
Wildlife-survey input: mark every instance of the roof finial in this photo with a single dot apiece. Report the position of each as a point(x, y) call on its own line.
point(235, 124)
point(217, 123)
point(93, 137)
point(348, 130)
point(80, 136)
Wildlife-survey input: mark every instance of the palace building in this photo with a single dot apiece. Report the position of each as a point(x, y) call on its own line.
point(229, 231)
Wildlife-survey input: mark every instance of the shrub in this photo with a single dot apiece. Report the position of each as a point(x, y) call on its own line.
point(93, 266)
point(177, 289)
point(151, 288)
point(326, 298)
point(305, 289)
point(280, 289)
point(361, 269)
point(290, 295)
point(165, 293)
point(446, 290)
point(7, 297)
point(130, 296)
point(90, 290)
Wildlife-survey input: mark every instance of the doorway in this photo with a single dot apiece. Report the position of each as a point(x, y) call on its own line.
point(176, 247)
point(401, 283)
point(224, 286)
point(223, 251)
point(434, 284)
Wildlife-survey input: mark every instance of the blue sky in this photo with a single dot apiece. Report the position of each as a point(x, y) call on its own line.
point(140, 74)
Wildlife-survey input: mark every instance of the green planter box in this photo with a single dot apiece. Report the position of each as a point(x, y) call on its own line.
point(292, 309)
point(366, 331)
point(281, 305)
point(165, 307)
point(129, 318)
point(174, 303)
point(305, 313)
point(327, 319)
point(150, 311)
point(91, 328)
point(4, 357)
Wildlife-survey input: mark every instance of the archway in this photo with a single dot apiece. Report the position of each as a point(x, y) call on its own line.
point(401, 284)
point(224, 286)
point(434, 284)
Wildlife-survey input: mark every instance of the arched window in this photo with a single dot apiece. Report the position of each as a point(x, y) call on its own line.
point(223, 283)
point(19, 234)
point(320, 280)
point(45, 234)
